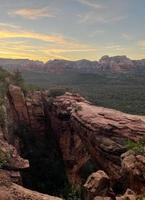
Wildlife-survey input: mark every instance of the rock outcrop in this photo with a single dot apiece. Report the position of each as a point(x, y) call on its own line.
point(12, 191)
point(11, 146)
point(102, 133)
point(10, 160)
point(89, 138)
point(116, 64)
point(134, 166)
point(97, 184)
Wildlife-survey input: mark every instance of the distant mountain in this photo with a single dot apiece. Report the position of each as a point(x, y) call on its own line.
point(22, 64)
point(76, 66)
point(116, 64)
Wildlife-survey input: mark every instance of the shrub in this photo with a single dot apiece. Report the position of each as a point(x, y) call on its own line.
point(2, 116)
point(17, 78)
point(4, 158)
point(72, 193)
point(54, 92)
point(30, 88)
point(137, 147)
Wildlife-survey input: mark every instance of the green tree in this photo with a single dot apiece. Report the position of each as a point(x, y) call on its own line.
point(18, 79)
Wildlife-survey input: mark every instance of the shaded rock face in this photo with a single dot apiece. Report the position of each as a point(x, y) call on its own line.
point(10, 160)
point(36, 142)
point(11, 164)
point(12, 191)
point(83, 139)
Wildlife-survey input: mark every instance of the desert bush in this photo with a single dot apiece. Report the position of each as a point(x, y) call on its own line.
point(30, 88)
point(72, 193)
point(17, 78)
point(2, 116)
point(4, 158)
point(54, 92)
point(137, 147)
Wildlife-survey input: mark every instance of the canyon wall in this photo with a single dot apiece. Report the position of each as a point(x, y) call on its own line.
point(86, 132)
point(88, 138)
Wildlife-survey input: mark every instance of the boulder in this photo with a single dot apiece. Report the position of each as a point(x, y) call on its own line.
point(134, 166)
point(97, 184)
point(129, 195)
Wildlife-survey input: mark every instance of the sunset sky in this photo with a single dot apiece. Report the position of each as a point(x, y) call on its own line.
point(72, 29)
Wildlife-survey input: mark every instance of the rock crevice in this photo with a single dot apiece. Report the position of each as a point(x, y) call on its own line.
point(83, 138)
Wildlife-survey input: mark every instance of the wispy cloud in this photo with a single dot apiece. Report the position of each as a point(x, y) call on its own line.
point(111, 11)
point(90, 3)
point(93, 17)
point(7, 25)
point(73, 50)
point(114, 47)
point(12, 31)
point(32, 35)
point(127, 36)
point(33, 13)
point(20, 43)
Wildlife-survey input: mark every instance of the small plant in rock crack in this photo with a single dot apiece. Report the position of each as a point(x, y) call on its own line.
point(4, 158)
point(73, 193)
point(137, 147)
point(78, 108)
point(2, 116)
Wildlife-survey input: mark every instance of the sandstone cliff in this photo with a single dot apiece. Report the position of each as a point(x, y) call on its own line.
point(89, 138)
point(96, 133)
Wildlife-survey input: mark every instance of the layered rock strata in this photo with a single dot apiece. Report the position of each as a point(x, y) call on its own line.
point(90, 138)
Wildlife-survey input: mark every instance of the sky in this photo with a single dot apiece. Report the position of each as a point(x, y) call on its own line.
point(72, 29)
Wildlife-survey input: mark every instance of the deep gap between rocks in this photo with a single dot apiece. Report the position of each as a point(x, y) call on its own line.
point(47, 171)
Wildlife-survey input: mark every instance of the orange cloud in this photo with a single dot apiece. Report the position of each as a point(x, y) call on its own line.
point(33, 13)
point(14, 44)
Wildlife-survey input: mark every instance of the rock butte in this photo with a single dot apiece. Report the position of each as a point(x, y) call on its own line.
point(85, 133)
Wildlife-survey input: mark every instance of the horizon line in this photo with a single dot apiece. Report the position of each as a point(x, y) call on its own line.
point(75, 60)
